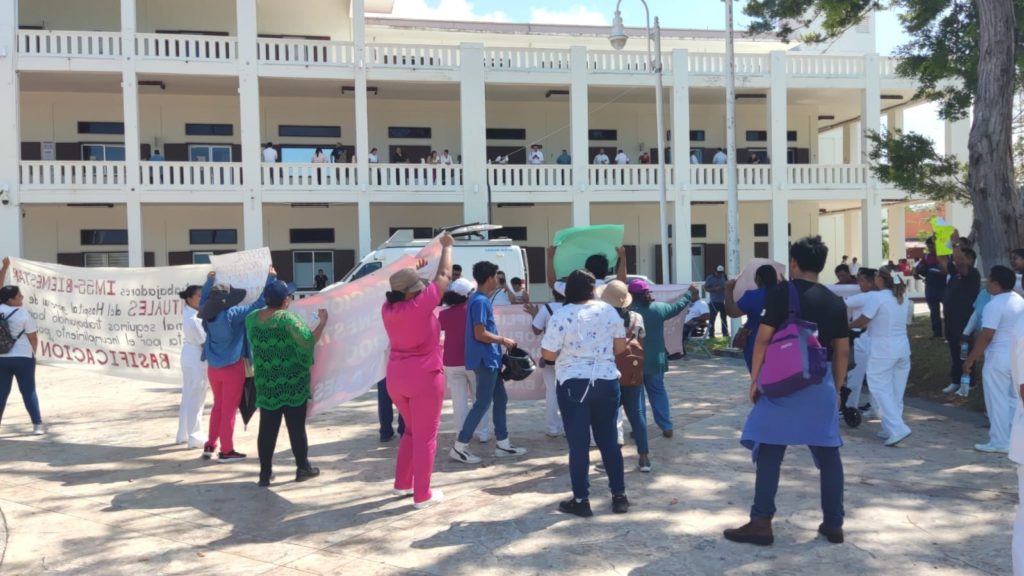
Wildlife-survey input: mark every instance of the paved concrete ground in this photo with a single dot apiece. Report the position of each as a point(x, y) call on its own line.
point(107, 493)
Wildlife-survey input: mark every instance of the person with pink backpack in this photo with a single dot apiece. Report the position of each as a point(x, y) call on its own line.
point(801, 353)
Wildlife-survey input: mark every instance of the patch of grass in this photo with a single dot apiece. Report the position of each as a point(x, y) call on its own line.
point(929, 369)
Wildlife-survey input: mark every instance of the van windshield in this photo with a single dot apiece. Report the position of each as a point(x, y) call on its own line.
point(365, 269)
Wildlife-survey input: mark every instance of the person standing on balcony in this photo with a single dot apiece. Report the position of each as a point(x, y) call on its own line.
point(714, 285)
point(645, 158)
point(564, 159)
point(536, 154)
point(397, 157)
point(320, 280)
point(998, 322)
point(621, 159)
point(720, 158)
point(694, 158)
point(601, 159)
point(446, 159)
point(318, 157)
point(156, 156)
point(372, 157)
point(269, 153)
point(337, 154)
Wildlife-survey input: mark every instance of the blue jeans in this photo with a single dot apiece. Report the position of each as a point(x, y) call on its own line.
point(386, 413)
point(489, 387)
point(597, 412)
point(24, 370)
point(632, 398)
point(769, 464)
point(655, 385)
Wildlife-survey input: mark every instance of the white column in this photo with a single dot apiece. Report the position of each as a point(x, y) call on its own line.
point(579, 112)
point(473, 119)
point(894, 120)
point(130, 100)
point(851, 143)
point(871, 206)
point(681, 218)
point(897, 217)
point(778, 125)
point(10, 146)
point(249, 108)
point(362, 130)
point(957, 132)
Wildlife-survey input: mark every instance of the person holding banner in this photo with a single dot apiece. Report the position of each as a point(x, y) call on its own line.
point(226, 351)
point(415, 372)
point(655, 356)
point(19, 362)
point(193, 371)
point(282, 354)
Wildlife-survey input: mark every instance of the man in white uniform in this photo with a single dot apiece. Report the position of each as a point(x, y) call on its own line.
point(720, 158)
point(998, 322)
point(621, 159)
point(601, 158)
point(270, 153)
point(536, 154)
point(1017, 446)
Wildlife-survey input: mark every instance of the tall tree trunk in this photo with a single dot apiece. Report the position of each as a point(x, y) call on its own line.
point(998, 203)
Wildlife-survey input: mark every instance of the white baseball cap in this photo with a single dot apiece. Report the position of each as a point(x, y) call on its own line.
point(720, 268)
point(559, 287)
point(462, 287)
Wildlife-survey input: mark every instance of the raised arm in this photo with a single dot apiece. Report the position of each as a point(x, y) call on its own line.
point(6, 265)
point(205, 293)
point(443, 277)
point(677, 307)
point(550, 267)
point(620, 269)
point(731, 308)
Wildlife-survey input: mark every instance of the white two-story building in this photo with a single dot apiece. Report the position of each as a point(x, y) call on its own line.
point(92, 89)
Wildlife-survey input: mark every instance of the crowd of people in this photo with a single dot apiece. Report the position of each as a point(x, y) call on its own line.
point(602, 352)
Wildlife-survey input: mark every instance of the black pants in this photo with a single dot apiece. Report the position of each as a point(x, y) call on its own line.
point(718, 308)
point(270, 424)
point(386, 413)
point(933, 296)
point(955, 337)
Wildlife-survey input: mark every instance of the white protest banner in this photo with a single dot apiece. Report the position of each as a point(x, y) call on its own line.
point(120, 321)
point(246, 269)
point(352, 354)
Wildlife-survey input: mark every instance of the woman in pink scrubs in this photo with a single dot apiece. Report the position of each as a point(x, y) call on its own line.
point(415, 372)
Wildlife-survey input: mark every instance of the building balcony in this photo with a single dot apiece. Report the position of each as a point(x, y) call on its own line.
point(36, 45)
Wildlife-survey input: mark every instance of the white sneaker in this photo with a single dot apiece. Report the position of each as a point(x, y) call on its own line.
point(988, 447)
point(460, 454)
point(436, 497)
point(38, 429)
point(896, 439)
point(401, 493)
point(951, 388)
point(964, 391)
point(621, 440)
point(504, 449)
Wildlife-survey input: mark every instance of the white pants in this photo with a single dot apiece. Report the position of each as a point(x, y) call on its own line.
point(855, 379)
point(1000, 396)
point(552, 419)
point(193, 397)
point(887, 378)
point(462, 386)
point(1018, 526)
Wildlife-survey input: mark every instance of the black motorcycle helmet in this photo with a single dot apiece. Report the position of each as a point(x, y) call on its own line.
point(517, 365)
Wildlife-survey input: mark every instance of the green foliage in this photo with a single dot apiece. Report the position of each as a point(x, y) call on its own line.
point(909, 162)
point(789, 18)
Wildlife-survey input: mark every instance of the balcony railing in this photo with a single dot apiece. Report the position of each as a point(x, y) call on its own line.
point(825, 65)
point(822, 175)
point(411, 56)
point(713, 176)
point(711, 64)
point(69, 44)
point(302, 176)
point(415, 177)
point(86, 175)
point(304, 52)
point(629, 177)
point(190, 175)
point(618, 61)
point(530, 59)
point(186, 47)
point(529, 177)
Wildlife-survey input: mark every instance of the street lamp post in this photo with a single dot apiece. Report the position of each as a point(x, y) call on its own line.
point(618, 41)
point(733, 217)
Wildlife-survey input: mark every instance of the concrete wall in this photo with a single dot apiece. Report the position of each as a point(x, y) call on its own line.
point(91, 15)
point(46, 230)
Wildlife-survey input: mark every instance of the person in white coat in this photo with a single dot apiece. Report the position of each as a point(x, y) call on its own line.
point(998, 322)
point(1017, 445)
point(541, 315)
point(193, 371)
point(862, 344)
point(886, 316)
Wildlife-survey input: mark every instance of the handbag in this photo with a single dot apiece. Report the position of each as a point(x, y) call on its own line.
point(630, 362)
point(794, 359)
point(741, 339)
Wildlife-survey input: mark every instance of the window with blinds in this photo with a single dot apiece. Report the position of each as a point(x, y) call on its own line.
point(106, 259)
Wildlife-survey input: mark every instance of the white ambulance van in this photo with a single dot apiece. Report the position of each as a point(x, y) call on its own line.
point(471, 246)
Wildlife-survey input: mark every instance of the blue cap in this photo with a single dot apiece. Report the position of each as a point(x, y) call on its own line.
point(277, 292)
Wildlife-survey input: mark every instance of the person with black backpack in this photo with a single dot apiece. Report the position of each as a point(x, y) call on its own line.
point(18, 344)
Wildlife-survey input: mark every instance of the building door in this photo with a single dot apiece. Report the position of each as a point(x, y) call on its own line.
point(714, 256)
point(696, 262)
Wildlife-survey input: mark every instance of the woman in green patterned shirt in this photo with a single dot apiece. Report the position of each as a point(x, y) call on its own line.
point(282, 349)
